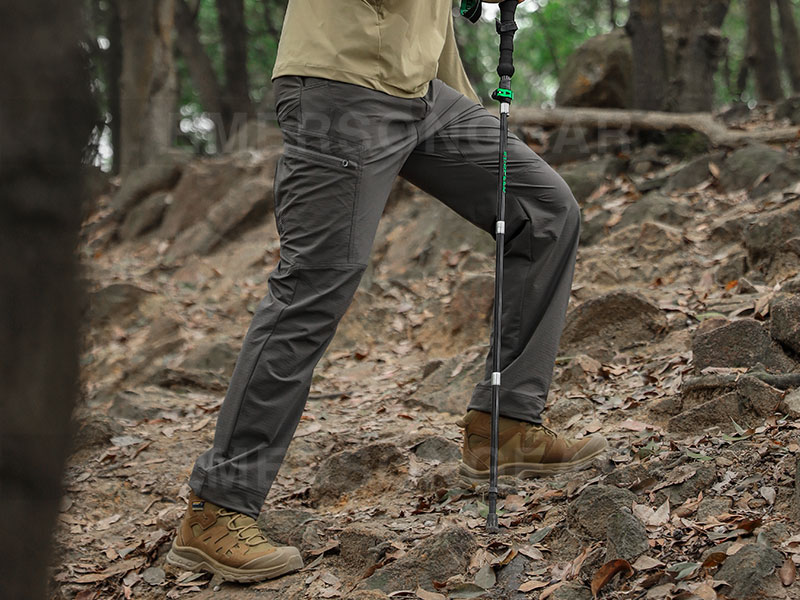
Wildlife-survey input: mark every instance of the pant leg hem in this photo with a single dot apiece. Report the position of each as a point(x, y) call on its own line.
point(229, 495)
point(512, 404)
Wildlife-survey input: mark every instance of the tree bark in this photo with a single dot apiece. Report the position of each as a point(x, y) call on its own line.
point(46, 117)
point(148, 81)
point(114, 77)
point(237, 106)
point(790, 40)
point(698, 46)
point(638, 120)
point(764, 59)
point(199, 65)
point(649, 58)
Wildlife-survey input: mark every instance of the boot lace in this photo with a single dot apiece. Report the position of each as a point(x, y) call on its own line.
point(248, 532)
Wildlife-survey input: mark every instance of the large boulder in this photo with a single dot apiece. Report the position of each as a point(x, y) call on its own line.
point(785, 322)
point(750, 573)
point(742, 343)
point(584, 178)
point(591, 512)
point(445, 553)
point(614, 321)
point(785, 176)
point(745, 166)
point(598, 73)
point(768, 236)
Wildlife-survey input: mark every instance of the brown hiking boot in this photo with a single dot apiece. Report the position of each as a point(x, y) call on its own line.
point(525, 450)
point(228, 544)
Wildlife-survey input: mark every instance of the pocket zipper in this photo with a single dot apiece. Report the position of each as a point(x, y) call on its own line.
point(328, 159)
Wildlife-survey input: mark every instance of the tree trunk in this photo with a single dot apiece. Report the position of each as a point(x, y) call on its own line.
point(148, 81)
point(612, 12)
point(237, 106)
point(199, 64)
point(698, 46)
point(46, 117)
point(764, 58)
point(649, 59)
point(790, 40)
point(114, 79)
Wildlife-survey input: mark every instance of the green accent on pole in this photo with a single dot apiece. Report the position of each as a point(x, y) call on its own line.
point(504, 93)
point(505, 170)
point(471, 9)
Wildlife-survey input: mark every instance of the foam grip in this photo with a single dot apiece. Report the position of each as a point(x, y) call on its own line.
point(508, 10)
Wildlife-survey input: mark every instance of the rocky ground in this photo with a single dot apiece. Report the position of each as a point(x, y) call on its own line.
point(682, 346)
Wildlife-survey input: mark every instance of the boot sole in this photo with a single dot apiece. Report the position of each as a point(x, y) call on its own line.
point(529, 470)
point(192, 559)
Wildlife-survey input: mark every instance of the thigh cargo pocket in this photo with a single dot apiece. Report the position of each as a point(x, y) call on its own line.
point(316, 193)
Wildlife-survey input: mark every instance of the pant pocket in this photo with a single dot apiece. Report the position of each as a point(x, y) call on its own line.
point(316, 195)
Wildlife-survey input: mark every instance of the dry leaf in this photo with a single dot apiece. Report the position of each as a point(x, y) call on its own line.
point(714, 560)
point(529, 586)
point(787, 572)
point(660, 516)
point(607, 571)
point(426, 595)
point(645, 563)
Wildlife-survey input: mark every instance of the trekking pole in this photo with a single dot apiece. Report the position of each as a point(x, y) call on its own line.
point(506, 27)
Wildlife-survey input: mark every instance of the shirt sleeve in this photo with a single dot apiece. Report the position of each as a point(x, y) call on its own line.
point(451, 69)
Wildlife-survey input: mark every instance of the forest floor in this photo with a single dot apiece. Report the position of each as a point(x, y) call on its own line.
point(681, 347)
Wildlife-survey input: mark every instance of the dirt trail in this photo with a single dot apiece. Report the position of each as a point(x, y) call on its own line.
point(680, 263)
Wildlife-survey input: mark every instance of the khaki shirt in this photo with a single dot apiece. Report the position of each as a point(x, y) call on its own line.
point(394, 46)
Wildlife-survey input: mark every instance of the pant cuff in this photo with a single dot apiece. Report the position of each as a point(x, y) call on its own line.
point(226, 495)
point(512, 404)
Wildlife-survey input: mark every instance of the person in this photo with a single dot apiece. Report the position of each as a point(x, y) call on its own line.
point(366, 90)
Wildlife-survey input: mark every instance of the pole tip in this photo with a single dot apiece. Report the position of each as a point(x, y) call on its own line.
point(492, 525)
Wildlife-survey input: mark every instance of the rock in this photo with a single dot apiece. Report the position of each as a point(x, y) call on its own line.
point(750, 573)
point(449, 388)
point(470, 311)
point(610, 322)
point(442, 477)
point(785, 176)
point(155, 576)
point(438, 448)
point(734, 268)
point(246, 202)
point(93, 431)
point(202, 184)
point(702, 479)
point(585, 177)
point(657, 240)
point(444, 553)
point(712, 507)
point(626, 536)
point(765, 236)
point(742, 343)
point(745, 166)
point(294, 527)
point(375, 465)
point(219, 357)
point(160, 174)
point(513, 575)
point(694, 172)
point(657, 207)
point(362, 545)
point(628, 475)
point(416, 236)
point(789, 109)
point(128, 405)
point(748, 402)
point(168, 377)
point(116, 301)
point(255, 134)
point(572, 591)
point(792, 285)
point(785, 322)
point(792, 404)
point(591, 510)
point(598, 73)
point(563, 409)
point(145, 216)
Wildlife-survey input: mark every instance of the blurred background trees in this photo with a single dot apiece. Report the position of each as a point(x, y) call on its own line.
point(191, 72)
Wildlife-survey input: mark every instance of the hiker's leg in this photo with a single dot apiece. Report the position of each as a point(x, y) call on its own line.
point(330, 189)
point(457, 162)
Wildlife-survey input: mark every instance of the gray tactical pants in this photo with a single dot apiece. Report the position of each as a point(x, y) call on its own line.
point(344, 146)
